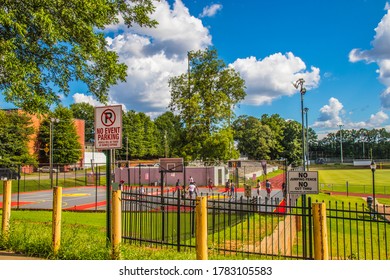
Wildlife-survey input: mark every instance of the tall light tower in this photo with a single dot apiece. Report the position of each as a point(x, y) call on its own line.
point(299, 84)
point(307, 137)
point(341, 144)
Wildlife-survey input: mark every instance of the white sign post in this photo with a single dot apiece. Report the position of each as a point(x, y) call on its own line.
point(302, 182)
point(108, 127)
point(108, 135)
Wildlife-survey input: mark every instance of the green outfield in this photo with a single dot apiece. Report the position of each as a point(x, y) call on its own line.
point(355, 180)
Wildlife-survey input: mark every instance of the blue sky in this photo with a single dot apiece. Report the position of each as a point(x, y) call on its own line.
point(340, 47)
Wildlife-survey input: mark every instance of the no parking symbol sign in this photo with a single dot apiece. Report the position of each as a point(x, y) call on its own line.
point(108, 127)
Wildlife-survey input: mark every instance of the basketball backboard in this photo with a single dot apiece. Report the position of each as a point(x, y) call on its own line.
point(171, 164)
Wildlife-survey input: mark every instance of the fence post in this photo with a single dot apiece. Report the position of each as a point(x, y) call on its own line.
point(7, 190)
point(201, 228)
point(56, 223)
point(320, 231)
point(116, 224)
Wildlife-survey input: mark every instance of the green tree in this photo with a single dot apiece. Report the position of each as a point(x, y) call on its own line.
point(85, 111)
point(292, 142)
point(66, 147)
point(46, 44)
point(139, 137)
point(15, 133)
point(253, 138)
point(277, 125)
point(169, 134)
point(204, 99)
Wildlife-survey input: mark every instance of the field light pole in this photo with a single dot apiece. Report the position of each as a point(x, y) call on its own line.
point(307, 137)
point(341, 144)
point(373, 168)
point(299, 84)
point(52, 121)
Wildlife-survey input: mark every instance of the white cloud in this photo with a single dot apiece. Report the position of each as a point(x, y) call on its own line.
point(380, 54)
point(177, 31)
point(82, 98)
point(332, 115)
point(271, 78)
point(153, 55)
point(378, 119)
point(210, 11)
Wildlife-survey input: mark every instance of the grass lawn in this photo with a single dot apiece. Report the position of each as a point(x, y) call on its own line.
point(358, 180)
point(83, 237)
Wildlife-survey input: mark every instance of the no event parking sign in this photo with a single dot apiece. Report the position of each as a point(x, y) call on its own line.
point(108, 127)
point(302, 182)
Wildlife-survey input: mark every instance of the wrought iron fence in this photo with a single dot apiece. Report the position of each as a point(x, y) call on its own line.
point(40, 178)
point(254, 227)
point(358, 231)
point(236, 225)
point(350, 189)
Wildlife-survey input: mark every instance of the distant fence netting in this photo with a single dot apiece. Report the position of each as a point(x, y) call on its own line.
point(246, 172)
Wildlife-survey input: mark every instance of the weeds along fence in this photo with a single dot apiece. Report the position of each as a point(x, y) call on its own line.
point(253, 227)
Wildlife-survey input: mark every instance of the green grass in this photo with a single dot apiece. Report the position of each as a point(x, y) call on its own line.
point(83, 237)
point(339, 199)
point(359, 180)
point(353, 234)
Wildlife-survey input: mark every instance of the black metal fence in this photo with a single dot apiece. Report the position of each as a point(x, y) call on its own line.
point(358, 231)
point(40, 178)
point(253, 227)
point(236, 225)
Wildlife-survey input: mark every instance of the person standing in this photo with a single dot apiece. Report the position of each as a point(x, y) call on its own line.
point(284, 189)
point(192, 189)
point(232, 188)
point(258, 187)
point(227, 187)
point(177, 187)
point(210, 185)
point(268, 187)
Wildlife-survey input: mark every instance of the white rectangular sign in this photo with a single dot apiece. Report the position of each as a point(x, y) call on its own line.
point(302, 182)
point(108, 127)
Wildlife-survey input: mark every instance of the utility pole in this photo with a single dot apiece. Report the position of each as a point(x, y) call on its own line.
point(341, 144)
point(307, 137)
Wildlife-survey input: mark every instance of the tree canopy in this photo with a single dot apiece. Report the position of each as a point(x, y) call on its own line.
point(45, 45)
point(66, 147)
point(85, 111)
point(204, 99)
point(268, 137)
point(15, 133)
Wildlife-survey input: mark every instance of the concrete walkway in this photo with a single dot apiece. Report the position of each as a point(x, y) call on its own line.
point(5, 255)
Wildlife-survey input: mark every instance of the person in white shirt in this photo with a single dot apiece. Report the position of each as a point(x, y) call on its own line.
point(192, 189)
